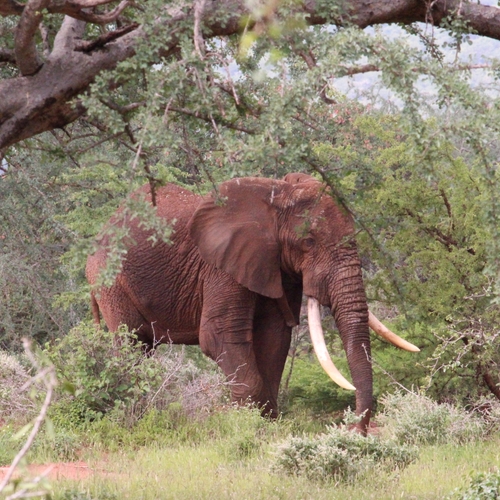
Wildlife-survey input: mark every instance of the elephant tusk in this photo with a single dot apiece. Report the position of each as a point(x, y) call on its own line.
point(318, 342)
point(386, 334)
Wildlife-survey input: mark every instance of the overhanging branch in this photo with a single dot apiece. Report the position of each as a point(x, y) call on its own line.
point(76, 11)
point(28, 60)
point(40, 102)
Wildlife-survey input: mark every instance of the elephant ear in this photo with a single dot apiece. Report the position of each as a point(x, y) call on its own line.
point(236, 231)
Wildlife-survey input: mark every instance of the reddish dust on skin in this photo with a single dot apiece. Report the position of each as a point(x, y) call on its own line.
point(69, 470)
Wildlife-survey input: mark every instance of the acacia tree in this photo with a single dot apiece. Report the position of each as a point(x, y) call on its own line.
point(206, 90)
point(53, 50)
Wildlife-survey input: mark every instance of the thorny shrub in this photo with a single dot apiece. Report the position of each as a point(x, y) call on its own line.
point(340, 455)
point(15, 403)
point(416, 419)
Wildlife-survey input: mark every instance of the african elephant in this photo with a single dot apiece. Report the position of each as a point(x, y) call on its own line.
point(232, 281)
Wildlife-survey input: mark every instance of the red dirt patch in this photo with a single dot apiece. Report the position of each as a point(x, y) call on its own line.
point(71, 470)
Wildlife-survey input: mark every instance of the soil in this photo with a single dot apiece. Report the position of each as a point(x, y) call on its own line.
point(70, 470)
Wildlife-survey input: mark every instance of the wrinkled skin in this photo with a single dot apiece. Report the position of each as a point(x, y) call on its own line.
point(222, 283)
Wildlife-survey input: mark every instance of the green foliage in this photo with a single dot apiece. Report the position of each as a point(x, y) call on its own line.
point(427, 234)
point(415, 419)
point(108, 374)
point(243, 431)
point(240, 432)
point(31, 242)
point(483, 486)
point(341, 455)
point(310, 388)
point(61, 445)
point(103, 368)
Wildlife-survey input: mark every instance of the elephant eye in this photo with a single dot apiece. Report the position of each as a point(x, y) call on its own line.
point(308, 243)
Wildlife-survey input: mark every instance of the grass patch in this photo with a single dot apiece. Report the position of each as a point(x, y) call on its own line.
point(442, 469)
point(211, 470)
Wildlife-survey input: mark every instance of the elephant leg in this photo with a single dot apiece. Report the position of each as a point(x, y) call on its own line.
point(226, 335)
point(272, 337)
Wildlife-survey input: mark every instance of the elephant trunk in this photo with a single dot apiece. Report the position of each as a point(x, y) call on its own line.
point(350, 311)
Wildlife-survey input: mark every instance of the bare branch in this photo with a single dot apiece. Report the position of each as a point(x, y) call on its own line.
point(89, 46)
point(80, 4)
point(123, 109)
point(11, 7)
point(45, 39)
point(199, 43)
point(50, 382)
point(368, 68)
point(28, 60)
point(70, 31)
point(78, 12)
point(210, 119)
point(310, 61)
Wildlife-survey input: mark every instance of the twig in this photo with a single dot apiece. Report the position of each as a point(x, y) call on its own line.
point(23, 492)
point(50, 382)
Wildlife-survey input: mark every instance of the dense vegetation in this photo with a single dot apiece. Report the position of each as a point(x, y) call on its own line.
point(413, 156)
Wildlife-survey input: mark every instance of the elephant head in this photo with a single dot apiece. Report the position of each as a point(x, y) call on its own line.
point(264, 232)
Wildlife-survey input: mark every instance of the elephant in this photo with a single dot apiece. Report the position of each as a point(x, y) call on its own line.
point(232, 280)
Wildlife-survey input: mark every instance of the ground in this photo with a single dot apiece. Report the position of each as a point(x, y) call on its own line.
point(69, 470)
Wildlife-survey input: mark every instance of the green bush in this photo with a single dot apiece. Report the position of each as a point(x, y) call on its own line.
point(415, 419)
point(110, 374)
point(242, 431)
point(482, 487)
point(340, 455)
point(102, 368)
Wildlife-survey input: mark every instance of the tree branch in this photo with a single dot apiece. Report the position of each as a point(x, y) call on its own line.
point(40, 102)
point(78, 12)
point(310, 61)
point(28, 60)
point(199, 43)
point(48, 378)
point(89, 46)
point(210, 119)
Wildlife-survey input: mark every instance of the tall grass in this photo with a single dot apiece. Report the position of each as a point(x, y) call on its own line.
point(146, 439)
point(213, 470)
